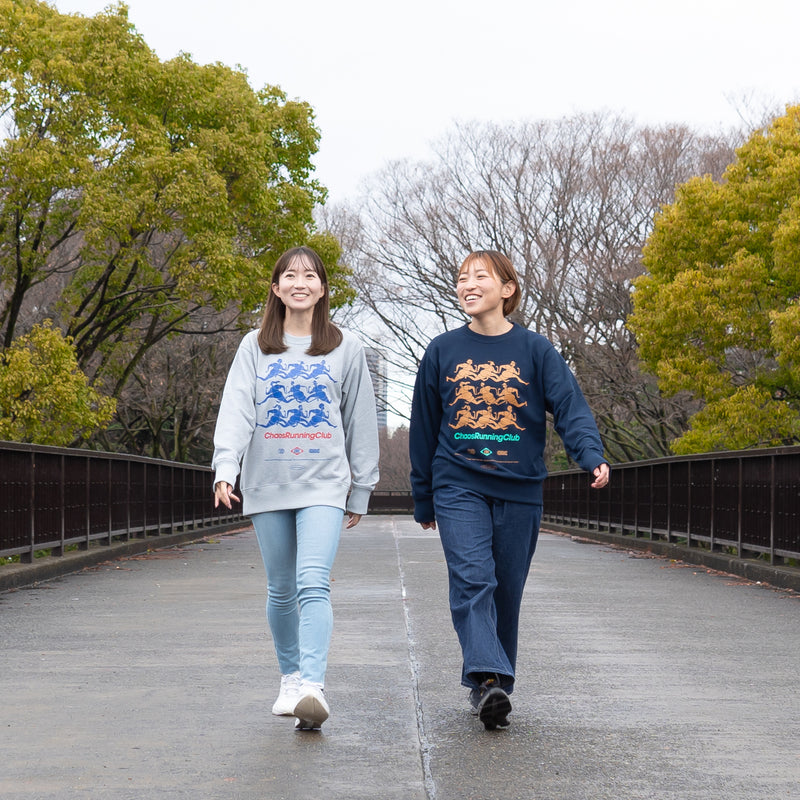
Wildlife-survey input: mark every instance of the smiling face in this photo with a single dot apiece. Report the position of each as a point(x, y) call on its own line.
point(299, 286)
point(480, 291)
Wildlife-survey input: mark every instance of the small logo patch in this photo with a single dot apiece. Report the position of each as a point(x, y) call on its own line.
point(296, 451)
point(486, 451)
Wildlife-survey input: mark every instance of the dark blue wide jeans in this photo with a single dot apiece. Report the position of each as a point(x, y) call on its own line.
point(488, 545)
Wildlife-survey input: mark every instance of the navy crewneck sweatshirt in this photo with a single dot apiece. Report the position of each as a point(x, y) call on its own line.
point(478, 418)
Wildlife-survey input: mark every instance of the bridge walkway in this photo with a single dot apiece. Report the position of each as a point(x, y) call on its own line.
point(639, 677)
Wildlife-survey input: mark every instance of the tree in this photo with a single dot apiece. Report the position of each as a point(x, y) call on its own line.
point(44, 397)
point(169, 407)
point(717, 313)
point(138, 196)
point(395, 466)
point(571, 203)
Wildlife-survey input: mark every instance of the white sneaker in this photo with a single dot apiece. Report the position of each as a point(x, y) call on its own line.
point(288, 695)
point(312, 708)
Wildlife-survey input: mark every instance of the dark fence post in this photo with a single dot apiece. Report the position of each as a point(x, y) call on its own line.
point(740, 511)
point(128, 501)
point(772, 509)
point(62, 499)
point(88, 500)
point(713, 504)
point(109, 500)
point(27, 557)
point(689, 503)
point(144, 501)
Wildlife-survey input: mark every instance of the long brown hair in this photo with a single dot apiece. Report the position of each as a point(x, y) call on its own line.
point(504, 270)
point(325, 336)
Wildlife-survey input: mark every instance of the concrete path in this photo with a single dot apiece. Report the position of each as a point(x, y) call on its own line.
point(152, 677)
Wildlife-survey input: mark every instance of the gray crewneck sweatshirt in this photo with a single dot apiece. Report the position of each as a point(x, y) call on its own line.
point(303, 428)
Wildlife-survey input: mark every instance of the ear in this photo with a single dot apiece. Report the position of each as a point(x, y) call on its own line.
point(509, 287)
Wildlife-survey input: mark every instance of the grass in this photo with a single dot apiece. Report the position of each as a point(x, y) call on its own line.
point(15, 559)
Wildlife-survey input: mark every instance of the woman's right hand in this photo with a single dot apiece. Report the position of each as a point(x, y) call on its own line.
point(223, 493)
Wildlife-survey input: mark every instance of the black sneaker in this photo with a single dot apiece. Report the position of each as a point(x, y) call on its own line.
point(493, 705)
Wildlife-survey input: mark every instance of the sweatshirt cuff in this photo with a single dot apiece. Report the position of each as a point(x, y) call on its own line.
point(423, 511)
point(596, 462)
point(358, 501)
point(226, 472)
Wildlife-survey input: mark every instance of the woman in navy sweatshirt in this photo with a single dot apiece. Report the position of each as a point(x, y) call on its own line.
point(477, 437)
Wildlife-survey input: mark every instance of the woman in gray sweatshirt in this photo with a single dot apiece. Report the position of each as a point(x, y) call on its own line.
point(298, 414)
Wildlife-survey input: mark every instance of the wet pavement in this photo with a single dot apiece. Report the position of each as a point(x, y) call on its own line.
point(638, 677)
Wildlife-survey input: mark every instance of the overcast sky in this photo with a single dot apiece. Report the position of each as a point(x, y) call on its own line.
point(387, 80)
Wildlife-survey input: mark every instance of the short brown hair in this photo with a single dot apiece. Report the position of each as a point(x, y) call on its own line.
point(325, 336)
point(502, 267)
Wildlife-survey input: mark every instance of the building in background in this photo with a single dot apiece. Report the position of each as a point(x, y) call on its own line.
point(376, 361)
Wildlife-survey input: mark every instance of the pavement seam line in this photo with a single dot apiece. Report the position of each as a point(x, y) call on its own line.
point(424, 744)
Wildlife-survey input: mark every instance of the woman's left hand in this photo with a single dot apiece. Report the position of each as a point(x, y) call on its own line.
point(353, 520)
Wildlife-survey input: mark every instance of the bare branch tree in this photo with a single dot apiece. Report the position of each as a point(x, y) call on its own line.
point(571, 202)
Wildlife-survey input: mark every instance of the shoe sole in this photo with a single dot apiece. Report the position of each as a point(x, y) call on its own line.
point(494, 709)
point(310, 714)
point(306, 725)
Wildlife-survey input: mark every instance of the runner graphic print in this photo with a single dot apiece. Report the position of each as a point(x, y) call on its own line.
point(296, 395)
point(485, 399)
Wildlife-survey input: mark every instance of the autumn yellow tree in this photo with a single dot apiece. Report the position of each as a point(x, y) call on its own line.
point(718, 312)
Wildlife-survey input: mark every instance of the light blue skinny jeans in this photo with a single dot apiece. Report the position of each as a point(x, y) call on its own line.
point(298, 547)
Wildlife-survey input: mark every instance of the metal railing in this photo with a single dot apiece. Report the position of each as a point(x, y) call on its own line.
point(747, 500)
point(53, 497)
point(391, 501)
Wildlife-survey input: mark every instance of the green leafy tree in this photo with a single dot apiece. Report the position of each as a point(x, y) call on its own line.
point(139, 196)
point(717, 314)
point(150, 186)
point(44, 396)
